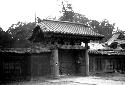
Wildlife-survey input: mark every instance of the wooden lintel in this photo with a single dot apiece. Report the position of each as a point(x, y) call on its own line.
point(71, 47)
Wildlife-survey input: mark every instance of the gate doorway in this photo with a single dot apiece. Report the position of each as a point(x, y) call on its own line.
point(71, 62)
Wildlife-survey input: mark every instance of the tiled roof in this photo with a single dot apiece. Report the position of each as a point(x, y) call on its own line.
point(113, 52)
point(120, 41)
point(118, 37)
point(24, 50)
point(68, 28)
point(114, 37)
point(16, 50)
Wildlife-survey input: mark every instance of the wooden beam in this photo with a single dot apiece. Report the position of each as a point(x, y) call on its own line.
point(55, 63)
point(86, 59)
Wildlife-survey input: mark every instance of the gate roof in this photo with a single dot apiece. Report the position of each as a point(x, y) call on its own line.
point(77, 29)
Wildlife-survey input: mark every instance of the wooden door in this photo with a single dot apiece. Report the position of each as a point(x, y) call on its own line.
point(66, 62)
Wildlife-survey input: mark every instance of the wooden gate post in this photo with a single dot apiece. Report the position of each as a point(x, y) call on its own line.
point(86, 59)
point(55, 63)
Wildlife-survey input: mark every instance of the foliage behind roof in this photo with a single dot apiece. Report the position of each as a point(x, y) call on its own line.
point(68, 28)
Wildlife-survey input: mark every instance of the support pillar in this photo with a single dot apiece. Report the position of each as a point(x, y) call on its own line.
point(86, 59)
point(94, 65)
point(55, 66)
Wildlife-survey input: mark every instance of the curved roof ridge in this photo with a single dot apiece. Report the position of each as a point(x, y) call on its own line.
point(66, 22)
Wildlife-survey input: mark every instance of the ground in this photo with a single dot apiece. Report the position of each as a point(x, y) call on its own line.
point(105, 79)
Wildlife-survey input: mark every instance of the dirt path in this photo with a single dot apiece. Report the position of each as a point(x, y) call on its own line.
point(74, 81)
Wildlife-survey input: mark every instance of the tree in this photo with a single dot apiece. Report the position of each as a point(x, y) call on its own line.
point(103, 27)
point(21, 32)
point(71, 16)
point(6, 39)
point(1, 29)
point(67, 13)
point(79, 18)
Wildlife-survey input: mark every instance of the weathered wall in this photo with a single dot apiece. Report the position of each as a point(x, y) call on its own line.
point(14, 66)
point(106, 63)
point(40, 64)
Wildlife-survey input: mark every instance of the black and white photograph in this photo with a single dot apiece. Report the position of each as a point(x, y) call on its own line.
point(62, 42)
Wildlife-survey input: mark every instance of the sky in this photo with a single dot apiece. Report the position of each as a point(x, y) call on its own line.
point(12, 11)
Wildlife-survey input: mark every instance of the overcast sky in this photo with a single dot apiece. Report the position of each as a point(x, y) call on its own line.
point(12, 11)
